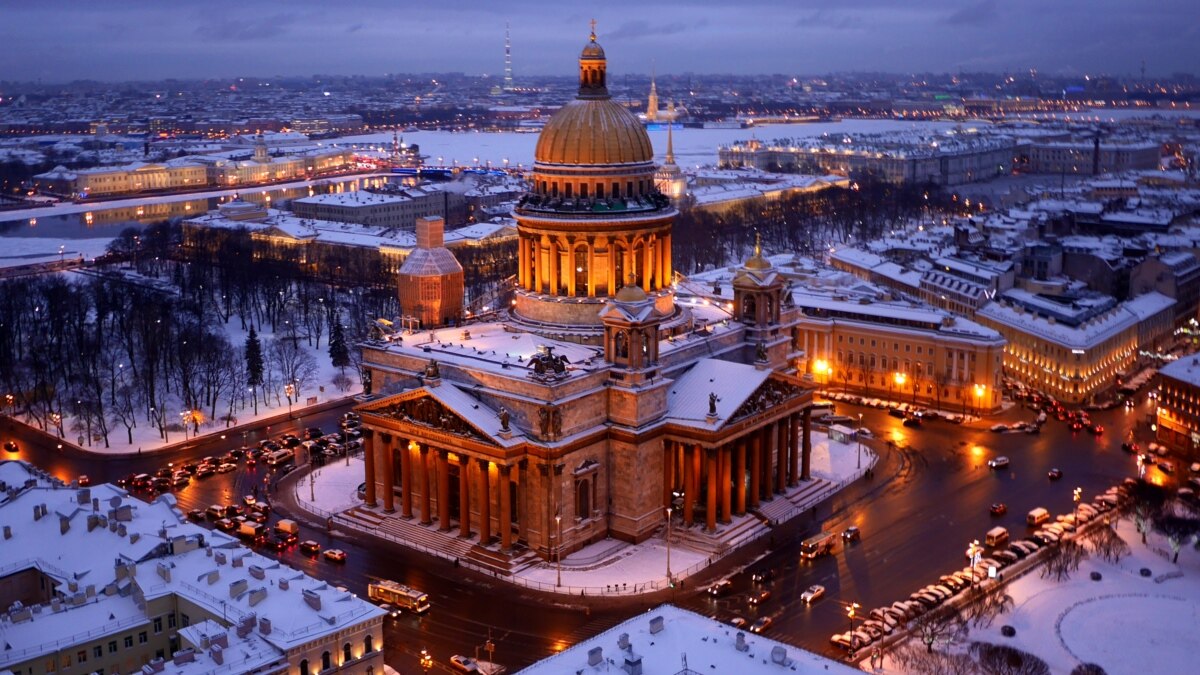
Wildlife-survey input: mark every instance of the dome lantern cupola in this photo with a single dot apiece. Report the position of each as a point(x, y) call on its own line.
point(593, 68)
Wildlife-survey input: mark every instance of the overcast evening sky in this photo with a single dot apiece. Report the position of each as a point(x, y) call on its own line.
point(61, 40)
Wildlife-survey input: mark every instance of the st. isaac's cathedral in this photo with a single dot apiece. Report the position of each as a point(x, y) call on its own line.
point(599, 404)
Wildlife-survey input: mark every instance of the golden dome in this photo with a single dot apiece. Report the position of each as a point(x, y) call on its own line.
point(593, 131)
point(758, 262)
point(630, 292)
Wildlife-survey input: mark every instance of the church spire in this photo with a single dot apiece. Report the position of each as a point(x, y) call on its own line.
point(652, 99)
point(670, 159)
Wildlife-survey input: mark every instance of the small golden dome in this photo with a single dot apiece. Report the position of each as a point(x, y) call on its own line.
point(630, 292)
point(593, 131)
point(757, 261)
point(592, 50)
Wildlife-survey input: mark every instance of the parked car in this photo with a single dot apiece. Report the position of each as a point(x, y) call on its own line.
point(205, 470)
point(83, 480)
point(814, 593)
point(195, 515)
point(1163, 466)
point(464, 664)
point(737, 622)
point(1054, 474)
point(226, 467)
point(11, 446)
point(225, 525)
point(998, 462)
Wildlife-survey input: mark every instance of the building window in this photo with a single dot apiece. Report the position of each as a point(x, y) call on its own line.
point(51, 665)
point(185, 620)
point(304, 667)
point(142, 638)
point(326, 661)
point(128, 641)
point(157, 625)
point(368, 644)
point(112, 647)
point(98, 651)
point(171, 620)
point(346, 655)
point(81, 656)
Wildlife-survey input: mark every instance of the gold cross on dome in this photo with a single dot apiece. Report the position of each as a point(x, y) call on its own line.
point(593, 30)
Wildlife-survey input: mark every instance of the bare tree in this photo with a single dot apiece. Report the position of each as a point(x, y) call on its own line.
point(1063, 560)
point(1106, 543)
point(988, 603)
point(945, 625)
point(1006, 660)
point(911, 658)
point(1178, 530)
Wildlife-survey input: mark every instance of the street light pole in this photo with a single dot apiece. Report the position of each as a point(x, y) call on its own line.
point(851, 613)
point(1076, 496)
point(668, 544)
point(558, 549)
point(858, 439)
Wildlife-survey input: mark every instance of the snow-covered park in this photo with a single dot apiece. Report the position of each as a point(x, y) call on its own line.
point(1124, 621)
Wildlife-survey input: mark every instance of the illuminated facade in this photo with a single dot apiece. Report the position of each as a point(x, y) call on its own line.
point(599, 407)
point(1178, 413)
point(901, 353)
point(431, 280)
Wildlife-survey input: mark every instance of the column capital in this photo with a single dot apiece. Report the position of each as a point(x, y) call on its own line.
point(483, 463)
point(385, 437)
point(505, 469)
point(368, 433)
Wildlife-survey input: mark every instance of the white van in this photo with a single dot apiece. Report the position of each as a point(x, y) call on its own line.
point(1037, 517)
point(996, 537)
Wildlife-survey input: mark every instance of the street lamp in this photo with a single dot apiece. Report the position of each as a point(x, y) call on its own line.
point(558, 548)
point(858, 440)
point(974, 552)
point(852, 613)
point(979, 391)
point(668, 544)
point(425, 660)
point(1076, 495)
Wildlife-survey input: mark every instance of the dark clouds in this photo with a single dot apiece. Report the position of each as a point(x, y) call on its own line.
point(137, 39)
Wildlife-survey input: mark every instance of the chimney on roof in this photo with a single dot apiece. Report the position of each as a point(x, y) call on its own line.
point(83, 496)
point(64, 524)
point(257, 572)
point(623, 642)
point(184, 656)
point(238, 587)
point(264, 625)
point(95, 504)
point(220, 640)
point(216, 653)
point(219, 556)
point(656, 625)
point(430, 232)
point(779, 655)
point(312, 599)
point(741, 645)
point(155, 666)
point(164, 570)
point(213, 576)
point(237, 560)
point(7, 532)
point(595, 656)
point(257, 595)
point(283, 584)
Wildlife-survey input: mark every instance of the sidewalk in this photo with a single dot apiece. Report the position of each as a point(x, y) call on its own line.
point(608, 567)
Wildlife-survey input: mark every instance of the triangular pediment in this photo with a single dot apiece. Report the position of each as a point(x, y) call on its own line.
point(770, 394)
point(423, 407)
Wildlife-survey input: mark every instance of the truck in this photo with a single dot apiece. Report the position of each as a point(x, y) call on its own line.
point(398, 595)
point(251, 530)
point(286, 526)
point(817, 545)
point(278, 457)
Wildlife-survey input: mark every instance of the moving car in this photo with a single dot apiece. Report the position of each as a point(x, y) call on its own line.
point(720, 588)
point(335, 555)
point(851, 533)
point(226, 467)
point(759, 597)
point(1054, 474)
point(814, 593)
point(11, 446)
point(998, 509)
point(762, 576)
point(761, 624)
point(83, 480)
point(195, 515)
point(464, 664)
point(998, 462)
point(310, 547)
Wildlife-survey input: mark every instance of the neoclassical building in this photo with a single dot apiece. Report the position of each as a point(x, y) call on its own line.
point(598, 405)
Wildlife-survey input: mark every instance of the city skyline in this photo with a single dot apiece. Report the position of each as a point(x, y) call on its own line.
point(117, 40)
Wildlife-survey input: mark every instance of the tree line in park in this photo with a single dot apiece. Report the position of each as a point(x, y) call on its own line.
point(102, 353)
point(803, 222)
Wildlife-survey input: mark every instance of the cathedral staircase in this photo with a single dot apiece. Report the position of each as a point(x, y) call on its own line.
point(798, 500)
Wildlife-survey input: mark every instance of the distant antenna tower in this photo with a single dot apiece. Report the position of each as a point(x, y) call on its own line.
point(508, 80)
point(1143, 70)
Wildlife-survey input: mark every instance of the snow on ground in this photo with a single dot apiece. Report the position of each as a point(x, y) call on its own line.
point(146, 436)
point(30, 250)
point(1125, 623)
point(331, 488)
